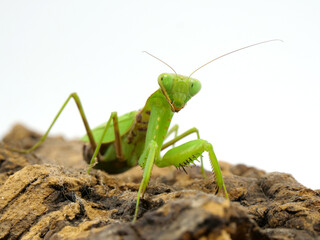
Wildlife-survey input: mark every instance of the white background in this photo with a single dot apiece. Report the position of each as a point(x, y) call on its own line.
point(259, 106)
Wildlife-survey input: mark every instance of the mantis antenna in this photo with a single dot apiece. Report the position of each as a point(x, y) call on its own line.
point(161, 61)
point(239, 49)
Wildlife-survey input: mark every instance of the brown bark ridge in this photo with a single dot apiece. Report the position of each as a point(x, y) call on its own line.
point(47, 194)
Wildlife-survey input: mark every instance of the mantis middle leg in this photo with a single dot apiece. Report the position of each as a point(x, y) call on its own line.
point(113, 117)
point(173, 129)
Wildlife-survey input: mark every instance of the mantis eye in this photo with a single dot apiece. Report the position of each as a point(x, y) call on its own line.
point(195, 87)
point(165, 81)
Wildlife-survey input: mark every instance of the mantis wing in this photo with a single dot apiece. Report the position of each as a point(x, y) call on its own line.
point(125, 122)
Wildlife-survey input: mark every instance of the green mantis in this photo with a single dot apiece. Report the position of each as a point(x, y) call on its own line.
point(137, 138)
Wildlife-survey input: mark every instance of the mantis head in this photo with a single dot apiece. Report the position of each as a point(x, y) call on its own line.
point(178, 89)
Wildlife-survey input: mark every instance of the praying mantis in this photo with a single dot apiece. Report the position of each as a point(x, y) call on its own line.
point(137, 138)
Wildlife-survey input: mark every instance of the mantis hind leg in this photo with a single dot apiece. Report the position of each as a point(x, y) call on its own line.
point(84, 119)
point(187, 153)
point(181, 136)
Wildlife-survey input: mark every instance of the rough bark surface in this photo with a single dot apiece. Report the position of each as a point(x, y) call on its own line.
point(47, 194)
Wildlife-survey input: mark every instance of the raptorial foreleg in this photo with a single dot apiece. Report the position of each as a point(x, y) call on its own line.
point(187, 153)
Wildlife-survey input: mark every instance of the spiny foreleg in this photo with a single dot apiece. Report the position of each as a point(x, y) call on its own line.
point(181, 136)
point(187, 153)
